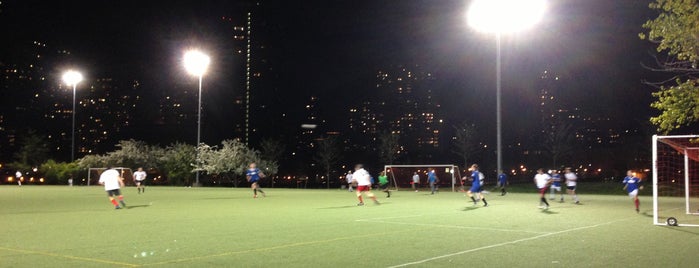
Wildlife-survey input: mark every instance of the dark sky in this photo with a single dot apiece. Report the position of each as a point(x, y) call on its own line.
point(334, 48)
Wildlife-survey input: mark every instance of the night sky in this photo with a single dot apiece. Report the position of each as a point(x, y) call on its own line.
point(333, 49)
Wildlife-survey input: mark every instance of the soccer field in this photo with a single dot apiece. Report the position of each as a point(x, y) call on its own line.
point(60, 226)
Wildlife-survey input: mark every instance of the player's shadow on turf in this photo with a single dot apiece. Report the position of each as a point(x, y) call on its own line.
point(340, 207)
point(549, 212)
point(645, 213)
point(471, 208)
point(137, 206)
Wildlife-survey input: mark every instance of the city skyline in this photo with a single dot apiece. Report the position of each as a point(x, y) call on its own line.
point(333, 52)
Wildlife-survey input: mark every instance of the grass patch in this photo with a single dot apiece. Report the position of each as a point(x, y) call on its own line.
point(58, 226)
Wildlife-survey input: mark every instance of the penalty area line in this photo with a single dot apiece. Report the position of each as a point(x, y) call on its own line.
point(455, 226)
point(34, 252)
point(505, 243)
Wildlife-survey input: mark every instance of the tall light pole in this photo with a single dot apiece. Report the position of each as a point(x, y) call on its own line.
point(72, 78)
point(502, 17)
point(196, 63)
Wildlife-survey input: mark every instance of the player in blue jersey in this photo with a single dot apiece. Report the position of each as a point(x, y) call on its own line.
point(632, 186)
point(432, 179)
point(502, 182)
point(556, 183)
point(253, 175)
point(477, 185)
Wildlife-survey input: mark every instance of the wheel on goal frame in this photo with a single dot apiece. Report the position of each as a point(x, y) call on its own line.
point(671, 221)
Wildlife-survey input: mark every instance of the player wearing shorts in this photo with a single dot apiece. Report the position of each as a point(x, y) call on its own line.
point(139, 177)
point(363, 179)
point(572, 184)
point(432, 180)
point(502, 182)
point(556, 185)
point(253, 175)
point(112, 181)
point(416, 181)
point(632, 186)
point(477, 186)
point(383, 183)
point(542, 181)
point(350, 181)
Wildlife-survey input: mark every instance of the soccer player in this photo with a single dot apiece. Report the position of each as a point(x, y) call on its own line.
point(477, 186)
point(502, 182)
point(139, 177)
point(253, 176)
point(350, 181)
point(542, 181)
point(383, 183)
point(432, 179)
point(572, 184)
point(556, 185)
point(112, 181)
point(631, 185)
point(18, 175)
point(416, 181)
point(363, 179)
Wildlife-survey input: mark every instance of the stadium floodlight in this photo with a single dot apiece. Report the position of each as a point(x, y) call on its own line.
point(503, 17)
point(196, 63)
point(72, 78)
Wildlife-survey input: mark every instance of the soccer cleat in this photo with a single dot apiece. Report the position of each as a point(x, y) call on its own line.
point(541, 206)
point(577, 202)
point(122, 203)
point(638, 211)
point(485, 205)
point(117, 207)
point(546, 207)
point(376, 202)
point(254, 196)
point(360, 204)
point(263, 194)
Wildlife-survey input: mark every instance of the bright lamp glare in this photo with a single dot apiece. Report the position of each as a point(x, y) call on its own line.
point(72, 77)
point(196, 62)
point(505, 16)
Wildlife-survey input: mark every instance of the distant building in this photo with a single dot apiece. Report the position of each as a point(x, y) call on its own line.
point(404, 105)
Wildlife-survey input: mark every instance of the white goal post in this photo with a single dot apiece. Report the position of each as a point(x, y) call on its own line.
point(125, 173)
point(676, 180)
point(444, 170)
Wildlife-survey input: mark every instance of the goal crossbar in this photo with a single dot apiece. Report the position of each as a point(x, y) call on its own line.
point(454, 171)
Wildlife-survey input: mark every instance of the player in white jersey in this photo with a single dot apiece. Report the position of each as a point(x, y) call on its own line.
point(363, 179)
point(139, 177)
point(350, 181)
point(112, 181)
point(572, 184)
point(542, 181)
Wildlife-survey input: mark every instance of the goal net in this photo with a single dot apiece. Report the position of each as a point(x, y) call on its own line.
point(401, 176)
point(93, 175)
point(676, 180)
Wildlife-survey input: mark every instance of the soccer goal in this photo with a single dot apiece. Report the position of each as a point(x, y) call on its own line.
point(401, 175)
point(676, 180)
point(94, 174)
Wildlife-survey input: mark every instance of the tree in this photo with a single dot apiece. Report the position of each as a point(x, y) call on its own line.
point(59, 172)
point(559, 141)
point(328, 155)
point(32, 152)
point(271, 151)
point(466, 145)
point(676, 33)
point(177, 163)
point(389, 147)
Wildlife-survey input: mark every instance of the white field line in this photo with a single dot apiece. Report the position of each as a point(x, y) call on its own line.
point(453, 226)
point(505, 243)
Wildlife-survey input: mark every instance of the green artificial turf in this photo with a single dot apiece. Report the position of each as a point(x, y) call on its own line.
point(60, 226)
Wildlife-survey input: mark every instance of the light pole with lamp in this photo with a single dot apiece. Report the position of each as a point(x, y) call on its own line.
point(502, 17)
point(196, 63)
point(72, 78)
